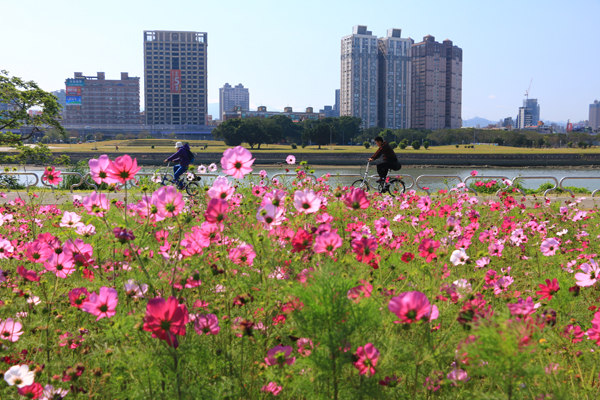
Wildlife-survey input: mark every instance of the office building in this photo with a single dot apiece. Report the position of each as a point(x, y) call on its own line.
point(97, 100)
point(359, 74)
point(336, 106)
point(529, 114)
point(229, 97)
point(175, 77)
point(594, 120)
point(395, 68)
point(436, 85)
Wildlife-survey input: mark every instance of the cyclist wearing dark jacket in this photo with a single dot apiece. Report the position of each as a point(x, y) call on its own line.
point(390, 161)
point(183, 157)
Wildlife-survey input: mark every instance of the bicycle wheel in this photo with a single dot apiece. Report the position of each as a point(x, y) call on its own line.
point(361, 184)
point(397, 187)
point(167, 179)
point(192, 188)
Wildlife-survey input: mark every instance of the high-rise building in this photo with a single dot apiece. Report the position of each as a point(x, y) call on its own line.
point(175, 77)
point(436, 84)
point(395, 68)
point(594, 120)
point(359, 72)
point(97, 100)
point(61, 95)
point(529, 114)
point(336, 106)
point(229, 97)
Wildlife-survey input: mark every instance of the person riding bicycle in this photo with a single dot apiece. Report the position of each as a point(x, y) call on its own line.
point(390, 160)
point(182, 156)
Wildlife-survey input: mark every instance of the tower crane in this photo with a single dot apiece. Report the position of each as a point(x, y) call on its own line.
point(527, 91)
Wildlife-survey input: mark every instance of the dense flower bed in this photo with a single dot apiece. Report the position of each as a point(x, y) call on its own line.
point(296, 290)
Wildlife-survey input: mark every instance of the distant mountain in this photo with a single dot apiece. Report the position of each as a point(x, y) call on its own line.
point(473, 122)
point(559, 123)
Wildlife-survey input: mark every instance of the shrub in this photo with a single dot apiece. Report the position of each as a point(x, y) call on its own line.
point(426, 145)
point(119, 137)
point(456, 146)
point(304, 144)
point(402, 145)
point(393, 145)
point(416, 145)
point(152, 146)
point(570, 144)
point(294, 146)
point(366, 144)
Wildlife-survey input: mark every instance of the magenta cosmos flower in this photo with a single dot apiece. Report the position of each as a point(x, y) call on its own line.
point(237, 162)
point(549, 247)
point(412, 307)
point(427, 249)
point(166, 319)
point(356, 199)
point(590, 274)
point(216, 211)
point(367, 359)
point(549, 289)
point(273, 388)
point(96, 204)
point(123, 169)
point(280, 355)
point(103, 304)
point(364, 248)
point(327, 242)
point(62, 265)
point(99, 169)
point(207, 324)
point(307, 201)
point(168, 201)
point(10, 330)
point(594, 332)
point(51, 176)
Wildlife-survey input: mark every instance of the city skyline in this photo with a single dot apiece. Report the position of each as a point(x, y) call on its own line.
point(294, 60)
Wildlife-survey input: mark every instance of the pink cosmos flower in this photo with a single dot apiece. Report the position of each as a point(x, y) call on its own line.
point(134, 289)
point(10, 330)
point(327, 243)
point(33, 391)
point(51, 176)
point(412, 307)
point(70, 220)
point(291, 159)
point(62, 265)
point(548, 290)
point(216, 211)
point(424, 204)
point(367, 356)
point(457, 375)
point(123, 169)
point(272, 388)
point(242, 255)
point(549, 247)
point(99, 170)
point(81, 253)
point(270, 215)
point(166, 319)
point(103, 304)
point(280, 355)
point(523, 307)
point(237, 162)
point(356, 199)
point(496, 249)
point(27, 274)
point(517, 237)
point(207, 324)
point(96, 204)
point(474, 173)
point(221, 189)
point(573, 333)
point(52, 393)
point(482, 262)
point(38, 252)
point(359, 292)
point(594, 332)
point(306, 201)
point(590, 274)
point(459, 257)
point(78, 296)
point(6, 248)
point(305, 346)
point(427, 248)
point(364, 248)
point(168, 201)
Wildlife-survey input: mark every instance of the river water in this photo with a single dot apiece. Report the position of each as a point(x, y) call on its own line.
point(583, 177)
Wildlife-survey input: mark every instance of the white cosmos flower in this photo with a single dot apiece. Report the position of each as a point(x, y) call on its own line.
point(459, 257)
point(19, 375)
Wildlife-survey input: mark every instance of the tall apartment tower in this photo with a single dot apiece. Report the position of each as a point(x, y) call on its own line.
point(229, 97)
point(594, 120)
point(336, 105)
point(175, 77)
point(395, 69)
point(359, 72)
point(436, 85)
point(97, 100)
point(529, 114)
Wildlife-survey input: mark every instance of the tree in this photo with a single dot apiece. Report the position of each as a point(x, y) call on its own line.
point(416, 145)
point(290, 131)
point(366, 144)
point(227, 131)
point(321, 134)
point(426, 145)
point(273, 131)
point(20, 97)
point(349, 126)
point(119, 137)
point(252, 132)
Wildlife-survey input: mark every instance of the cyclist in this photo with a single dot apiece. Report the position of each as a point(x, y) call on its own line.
point(390, 161)
point(182, 156)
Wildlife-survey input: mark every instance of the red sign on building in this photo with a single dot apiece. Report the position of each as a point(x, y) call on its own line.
point(175, 81)
point(73, 90)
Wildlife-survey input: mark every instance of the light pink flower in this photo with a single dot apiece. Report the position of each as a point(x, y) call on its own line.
point(457, 375)
point(270, 215)
point(306, 201)
point(594, 332)
point(123, 169)
point(103, 304)
point(367, 356)
point(356, 199)
point(10, 330)
point(168, 201)
point(523, 307)
point(62, 265)
point(237, 162)
point(6, 248)
point(70, 220)
point(305, 346)
point(459, 257)
point(291, 159)
point(221, 189)
point(207, 324)
point(242, 255)
point(272, 388)
point(549, 247)
point(327, 243)
point(99, 169)
point(216, 211)
point(96, 204)
point(590, 274)
point(280, 355)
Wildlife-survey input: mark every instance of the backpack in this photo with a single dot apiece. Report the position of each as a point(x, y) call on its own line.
point(191, 156)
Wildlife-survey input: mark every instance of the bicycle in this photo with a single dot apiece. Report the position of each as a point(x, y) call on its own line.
point(192, 187)
point(388, 185)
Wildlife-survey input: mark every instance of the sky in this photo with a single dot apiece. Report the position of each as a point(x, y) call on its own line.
point(288, 53)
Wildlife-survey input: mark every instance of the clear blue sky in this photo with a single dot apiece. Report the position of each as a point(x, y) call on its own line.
point(288, 53)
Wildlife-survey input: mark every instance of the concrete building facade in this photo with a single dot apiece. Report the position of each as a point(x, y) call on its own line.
point(359, 74)
point(336, 106)
point(61, 95)
point(437, 85)
point(529, 114)
point(96, 100)
point(395, 78)
point(175, 77)
point(594, 120)
point(230, 97)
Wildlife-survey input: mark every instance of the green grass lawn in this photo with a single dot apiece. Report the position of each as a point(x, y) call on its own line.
point(167, 146)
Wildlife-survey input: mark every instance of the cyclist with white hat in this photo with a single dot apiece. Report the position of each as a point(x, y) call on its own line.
point(183, 156)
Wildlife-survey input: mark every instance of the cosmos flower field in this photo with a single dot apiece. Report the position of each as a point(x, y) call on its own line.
point(296, 289)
